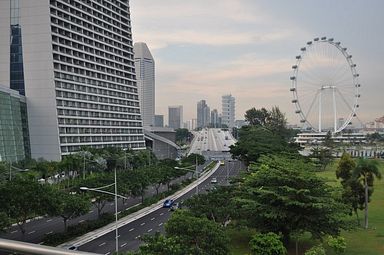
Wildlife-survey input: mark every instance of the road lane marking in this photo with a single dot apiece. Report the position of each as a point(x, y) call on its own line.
point(101, 244)
point(80, 221)
point(14, 231)
point(131, 229)
point(142, 224)
point(50, 232)
point(149, 230)
point(31, 232)
point(161, 213)
point(49, 220)
point(152, 218)
point(160, 224)
point(107, 253)
point(137, 237)
point(124, 244)
point(91, 211)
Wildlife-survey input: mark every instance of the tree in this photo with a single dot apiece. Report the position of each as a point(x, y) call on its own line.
point(66, 205)
point(365, 172)
point(338, 244)
point(182, 135)
point(283, 195)
point(160, 245)
point(257, 117)
point(316, 250)
point(277, 122)
point(197, 235)
point(323, 156)
point(267, 244)
point(215, 205)
point(191, 159)
point(353, 190)
point(4, 221)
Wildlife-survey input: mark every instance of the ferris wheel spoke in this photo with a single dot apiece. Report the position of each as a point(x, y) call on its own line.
point(312, 103)
point(345, 101)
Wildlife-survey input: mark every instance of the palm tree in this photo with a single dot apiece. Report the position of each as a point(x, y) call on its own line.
point(365, 172)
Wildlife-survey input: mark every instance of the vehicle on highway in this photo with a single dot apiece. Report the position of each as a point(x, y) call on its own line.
point(222, 162)
point(175, 206)
point(168, 203)
point(214, 180)
point(70, 247)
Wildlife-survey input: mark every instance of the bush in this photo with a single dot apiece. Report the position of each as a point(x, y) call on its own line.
point(338, 244)
point(267, 244)
point(316, 250)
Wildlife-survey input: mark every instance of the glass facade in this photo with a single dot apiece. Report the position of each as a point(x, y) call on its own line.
point(14, 142)
point(16, 68)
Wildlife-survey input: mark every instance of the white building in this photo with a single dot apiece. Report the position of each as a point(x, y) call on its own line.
point(77, 70)
point(145, 75)
point(175, 116)
point(228, 110)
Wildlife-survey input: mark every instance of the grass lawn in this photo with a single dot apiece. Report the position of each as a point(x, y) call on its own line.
point(359, 241)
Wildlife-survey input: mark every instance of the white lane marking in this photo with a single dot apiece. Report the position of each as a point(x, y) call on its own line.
point(149, 230)
point(124, 244)
point(160, 224)
point(41, 243)
point(142, 224)
point(49, 220)
point(131, 229)
point(101, 244)
point(80, 221)
point(137, 237)
point(31, 232)
point(152, 218)
point(14, 231)
point(50, 232)
point(107, 253)
point(91, 211)
point(161, 213)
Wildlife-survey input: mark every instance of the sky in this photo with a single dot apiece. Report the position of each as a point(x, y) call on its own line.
point(204, 49)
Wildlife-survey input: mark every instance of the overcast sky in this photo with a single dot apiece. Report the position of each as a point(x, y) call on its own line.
point(207, 48)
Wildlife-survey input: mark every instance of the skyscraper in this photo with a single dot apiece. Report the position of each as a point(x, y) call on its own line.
point(145, 75)
point(214, 118)
point(159, 120)
point(203, 114)
point(74, 62)
point(228, 110)
point(175, 116)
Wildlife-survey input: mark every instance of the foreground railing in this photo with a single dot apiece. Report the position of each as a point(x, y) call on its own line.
point(30, 248)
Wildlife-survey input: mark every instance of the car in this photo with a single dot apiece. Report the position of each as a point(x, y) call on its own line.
point(214, 180)
point(222, 162)
point(175, 206)
point(70, 247)
point(168, 203)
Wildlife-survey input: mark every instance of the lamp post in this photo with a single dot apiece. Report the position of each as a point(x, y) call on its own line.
point(16, 168)
point(115, 195)
point(193, 171)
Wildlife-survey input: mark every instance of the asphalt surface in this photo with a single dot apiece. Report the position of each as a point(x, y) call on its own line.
point(212, 139)
point(130, 234)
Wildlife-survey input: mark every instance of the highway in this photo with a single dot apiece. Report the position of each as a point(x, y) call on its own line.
point(130, 234)
point(212, 139)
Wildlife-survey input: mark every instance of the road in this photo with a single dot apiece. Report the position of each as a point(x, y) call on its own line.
point(212, 139)
point(130, 234)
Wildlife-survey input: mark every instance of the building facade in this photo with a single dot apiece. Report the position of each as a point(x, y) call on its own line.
point(145, 75)
point(76, 69)
point(203, 114)
point(228, 110)
point(159, 120)
point(175, 116)
point(214, 118)
point(14, 138)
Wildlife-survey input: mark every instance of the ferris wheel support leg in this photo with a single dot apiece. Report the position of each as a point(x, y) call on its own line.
point(321, 91)
point(334, 109)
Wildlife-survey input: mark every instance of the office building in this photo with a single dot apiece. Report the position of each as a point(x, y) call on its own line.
point(159, 120)
point(214, 119)
point(14, 138)
point(145, 75)
point(228, 110)
point(74, 62)
point(175, 116)
point(203, 114)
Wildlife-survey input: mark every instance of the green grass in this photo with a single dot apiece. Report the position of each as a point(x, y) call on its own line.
point(359, 241)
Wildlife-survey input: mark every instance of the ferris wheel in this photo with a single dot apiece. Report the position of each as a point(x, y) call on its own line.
point(325, 86)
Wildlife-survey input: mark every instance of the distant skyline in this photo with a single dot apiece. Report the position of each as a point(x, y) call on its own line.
point(205, 49)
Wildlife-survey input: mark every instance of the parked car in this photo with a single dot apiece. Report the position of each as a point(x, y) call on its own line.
point(168, 203)
point(214, 180)
point(175, 206)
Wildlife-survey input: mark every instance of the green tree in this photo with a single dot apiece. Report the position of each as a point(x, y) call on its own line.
point(160, 245)
point(338, 244)
point(283, 195)
point(182, 135)
point(365, 172)
point(4, 221)
point(257, 116)
point(215, 205)
point(66, 205)
point(267, 244)
point(323, 156)
point(197, 235)
point(316, 250)
point(277, 122)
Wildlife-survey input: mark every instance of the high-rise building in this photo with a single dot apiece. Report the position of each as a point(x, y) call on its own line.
point(203, 114)
point(145, 75)
point(228, 110)
point(74, 62)
point(159, 120)
point(214, 118)
point(175, 116)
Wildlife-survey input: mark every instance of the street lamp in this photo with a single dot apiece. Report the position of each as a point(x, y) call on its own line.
point(100, 189)
point(16, 168)
point(193, 171)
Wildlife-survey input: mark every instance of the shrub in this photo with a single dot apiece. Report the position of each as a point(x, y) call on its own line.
point(316, 250)
point(267, 244)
